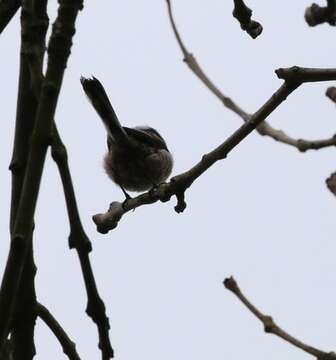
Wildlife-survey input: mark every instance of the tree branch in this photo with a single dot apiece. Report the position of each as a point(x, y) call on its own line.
point(7, 351)
point(315, 14)
point(78, 238)
point(59, 49)
point(304, 75)
point(243, 14)
point(22, 333)
point(68, 346)
point(271, 327)
point(8, 9)
point(263, 128)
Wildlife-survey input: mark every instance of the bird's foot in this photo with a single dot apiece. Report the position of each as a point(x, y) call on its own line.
point(153, 190)
point(128, 198)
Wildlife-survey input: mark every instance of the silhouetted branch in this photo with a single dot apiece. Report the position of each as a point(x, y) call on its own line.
point(8, 9)
point(78, 238)
point(301, 144)
point(316, 14)
point(271, 327)
point(68, 346)
point(59, 50)
point(264, 128)
point(243, 14)
point(22, 329)
point(304, 75)
point(7, 351)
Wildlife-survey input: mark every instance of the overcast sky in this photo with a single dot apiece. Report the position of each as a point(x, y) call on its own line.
point(263, 215)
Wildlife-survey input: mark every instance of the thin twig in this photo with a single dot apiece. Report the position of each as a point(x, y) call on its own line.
point(59, 50)
point(263, 128)
point(271, 327)
point(68, 346)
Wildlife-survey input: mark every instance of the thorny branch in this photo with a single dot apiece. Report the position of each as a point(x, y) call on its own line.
point(294, 77)
point(271, 327)
point(243, 14)
point(263, 128)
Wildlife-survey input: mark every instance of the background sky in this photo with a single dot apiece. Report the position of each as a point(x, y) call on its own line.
point(264, 215)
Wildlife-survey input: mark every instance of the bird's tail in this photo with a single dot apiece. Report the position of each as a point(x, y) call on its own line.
point(94, 90)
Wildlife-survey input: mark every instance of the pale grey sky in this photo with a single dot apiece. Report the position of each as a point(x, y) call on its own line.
point(263, 215)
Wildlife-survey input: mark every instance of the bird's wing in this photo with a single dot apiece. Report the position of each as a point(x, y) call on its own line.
point(144, 137)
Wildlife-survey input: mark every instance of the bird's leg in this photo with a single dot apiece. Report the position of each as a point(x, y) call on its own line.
point(128, 197)
point(125, 193)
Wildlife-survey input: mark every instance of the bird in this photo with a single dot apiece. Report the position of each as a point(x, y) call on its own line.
point(137, 158)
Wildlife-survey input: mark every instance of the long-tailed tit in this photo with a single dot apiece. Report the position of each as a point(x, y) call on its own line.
point(137, 158)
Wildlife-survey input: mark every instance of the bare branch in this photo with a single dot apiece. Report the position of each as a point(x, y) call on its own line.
point(68, 346)
point(304, 75)
point(316, 14)
point(301, 144)
point(78, 238)
point(59, 49)
point(8, 9)
point(243, 14)
point(263, 128)
point(271, 327)
point(23, 323)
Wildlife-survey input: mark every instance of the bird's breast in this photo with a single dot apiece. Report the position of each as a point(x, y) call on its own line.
point(138, 170)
